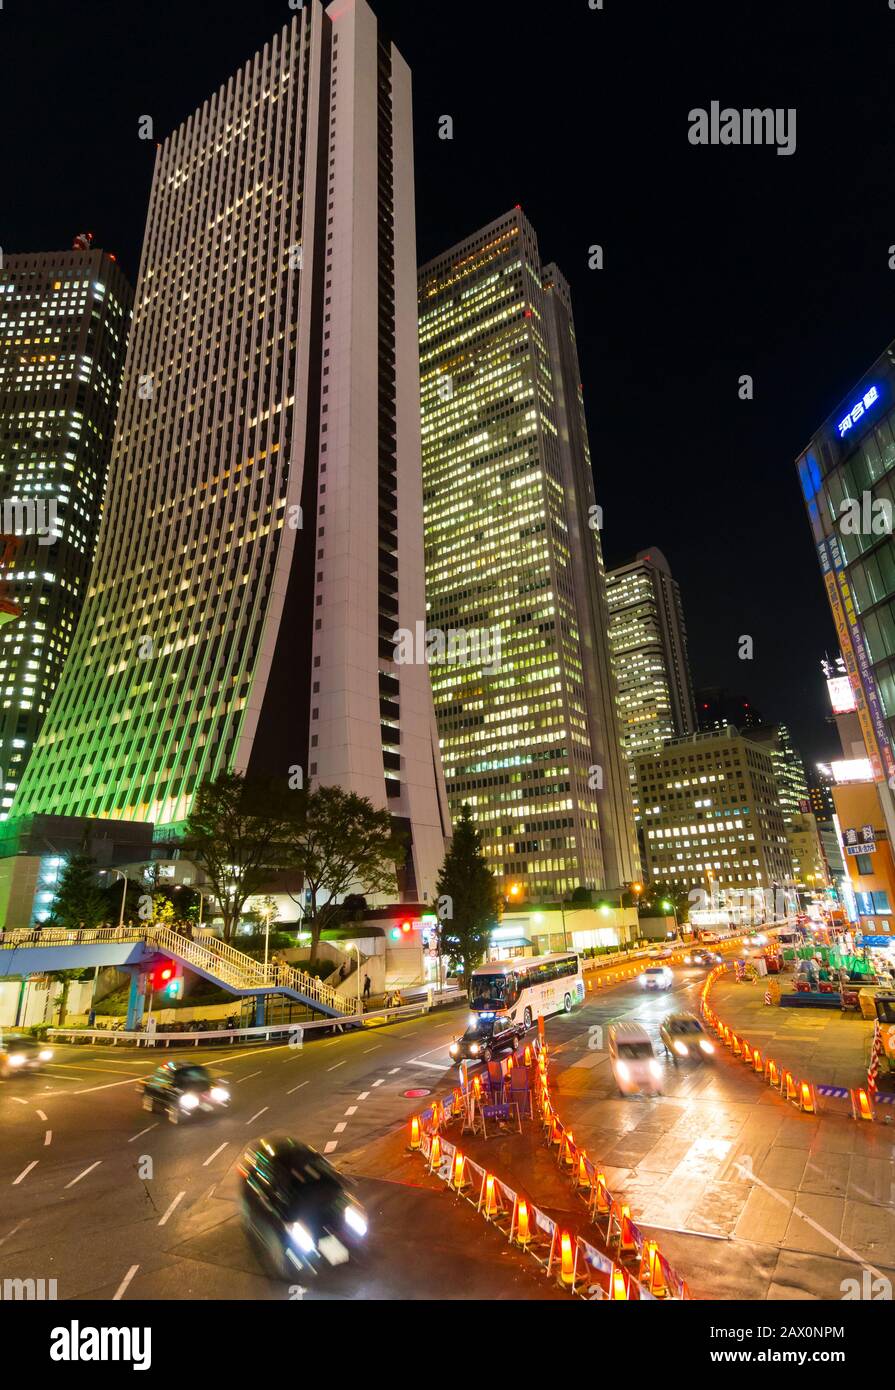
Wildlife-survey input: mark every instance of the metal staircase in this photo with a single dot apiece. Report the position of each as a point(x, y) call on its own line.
point(240, 972)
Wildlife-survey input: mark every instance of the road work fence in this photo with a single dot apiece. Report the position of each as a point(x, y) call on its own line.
point(861, 1103)
point(630, 1268)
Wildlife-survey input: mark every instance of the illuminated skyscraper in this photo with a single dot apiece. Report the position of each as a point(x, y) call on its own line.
point(529, 738)
point(263, 536)
point(64, 318)
point(649, 654)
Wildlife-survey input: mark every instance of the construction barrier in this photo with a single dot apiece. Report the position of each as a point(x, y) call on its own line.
point(811, 1098)
point(638, 1272)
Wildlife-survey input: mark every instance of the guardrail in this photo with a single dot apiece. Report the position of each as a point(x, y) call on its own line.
point(811, 1097)
point(258, 1033)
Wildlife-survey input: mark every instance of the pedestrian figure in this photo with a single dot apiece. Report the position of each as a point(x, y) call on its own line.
point(343, 971)
point(366, 986)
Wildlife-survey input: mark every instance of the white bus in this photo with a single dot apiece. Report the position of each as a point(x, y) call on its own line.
point(528, 987)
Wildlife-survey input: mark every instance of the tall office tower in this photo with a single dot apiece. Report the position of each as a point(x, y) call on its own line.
point(716, 708)
point(263, 538)
point(64, 318)
point(711, 813)
point(792, 782)
point(529, 738)
point(648, 640)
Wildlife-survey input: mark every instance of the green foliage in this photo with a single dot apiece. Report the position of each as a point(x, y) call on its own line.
point(78, 901)
point(662, 891)
point(474, 904)
point(340, 842)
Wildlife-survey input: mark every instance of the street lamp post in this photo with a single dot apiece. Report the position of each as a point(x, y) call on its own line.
point(354, 947)
point(122, 876)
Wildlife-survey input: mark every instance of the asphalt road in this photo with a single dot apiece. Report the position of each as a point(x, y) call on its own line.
point(114, 1202)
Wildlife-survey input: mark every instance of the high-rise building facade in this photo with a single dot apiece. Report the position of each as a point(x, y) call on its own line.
point(847, 476)
point(648, 640)
point(263, 539)
point(716, 708)
point(64, 319)
point(792, 781)
point(711, 814)
point(529, 738)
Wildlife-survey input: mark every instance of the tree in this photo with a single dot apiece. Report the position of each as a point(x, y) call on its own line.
point(342, 842)
point(79, 902)
point(473, 901)
point(656, 894)
point(236, 832)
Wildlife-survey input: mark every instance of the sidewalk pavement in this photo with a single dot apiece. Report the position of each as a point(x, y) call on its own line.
point(818, 1045)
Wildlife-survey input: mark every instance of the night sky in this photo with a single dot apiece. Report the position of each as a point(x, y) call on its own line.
point(718, 261)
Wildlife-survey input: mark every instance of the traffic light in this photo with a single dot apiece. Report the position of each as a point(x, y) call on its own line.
point(168, 978)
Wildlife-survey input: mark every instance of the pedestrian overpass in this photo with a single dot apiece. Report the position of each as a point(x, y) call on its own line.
point(45, 950)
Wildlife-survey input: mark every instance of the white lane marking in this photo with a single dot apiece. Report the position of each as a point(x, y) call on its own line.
point(380, 1082)
point(393, 1070)
point(333, 1144)
point(410, 1033)
point(9, 1234)
point(142, 1132)
point(297, 1088)
point(106, 1086)
point(258, 1115)
point(177, 1200)
point(48, 1138)
point(338, 1064)
point(41, 1116)
point(211, 1157)
point(249, 1077)
point(363, 1095)
point(340, 1128)
point(432, 1066)
point(84, 1174)
point(122, 1287)
point(352, 1110)
point(25, 1171)
point(372, 1049)
point(18, 1100)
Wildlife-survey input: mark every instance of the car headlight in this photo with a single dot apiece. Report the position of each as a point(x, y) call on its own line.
point(706, 1045)
point(356, 1220)
point(189, 1100)
point(474, 1049)
point(16, 1059)
point(46, 1054)
point(655, 1069)
point(471, 1021)
point(219, 1094)
point(681, 1049)
point(643, 982)
point(454, 1049)
point(624, 1070)
point(301, 1236)
point(688, 960)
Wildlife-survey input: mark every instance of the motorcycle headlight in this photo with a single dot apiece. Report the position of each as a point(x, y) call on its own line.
point(356, 1220)
point(655, 1069)
point(301, 1236)
point(624, 1070)
point(681, 1049)
point(219, 1094)
point(16, 1059)
point(474, 1049)
point(454, 1049)
point(189, 1100)
point(46, 1054)
point(706, 1045)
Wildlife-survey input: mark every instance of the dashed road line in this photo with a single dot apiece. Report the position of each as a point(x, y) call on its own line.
point(249, 1077)
point(333, 1144)
point(211, 1157)
point(18, 1100)
point(363, 1095)
point(9, 1234)
point(257, 1116)
point(177, 1200)
point(372, 1049)
point(393, 1070)
point(25, 1171)
point(352, 1110)
point(41, 1116)
point(48, 1138)
point(122, 1287)
point(297, 1088)
point(380, 1082)
point(341, 1127)
point(338, 1064)
point(142, 1132)
point(84, 1174)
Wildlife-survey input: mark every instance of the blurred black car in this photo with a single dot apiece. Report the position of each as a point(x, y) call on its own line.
point(182, 1090)
point(20, 1053)
point(297, 1208)
point(702, 956)
point(486, 1036)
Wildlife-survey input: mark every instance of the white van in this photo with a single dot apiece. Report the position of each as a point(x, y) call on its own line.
point(635, 1065)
